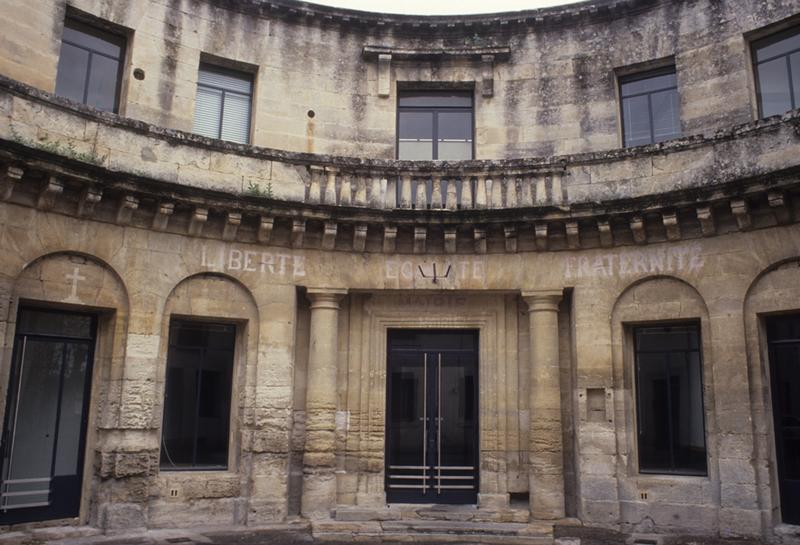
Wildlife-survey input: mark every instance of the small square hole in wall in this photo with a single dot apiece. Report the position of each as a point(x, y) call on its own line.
point(519, 500)
point(596, 404)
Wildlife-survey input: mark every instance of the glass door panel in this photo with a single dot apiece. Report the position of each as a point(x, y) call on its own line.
point(432, 421)
point(45, 420)
point(27, 475)
point(456, 470)
point(408, 471)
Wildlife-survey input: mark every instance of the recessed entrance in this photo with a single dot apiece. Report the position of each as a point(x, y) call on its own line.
point(432, 416)
point(46, 416)
point(783, 334)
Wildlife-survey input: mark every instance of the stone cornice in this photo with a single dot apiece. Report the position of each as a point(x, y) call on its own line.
point(309, 13)
point(54, 183)
point(425, 53)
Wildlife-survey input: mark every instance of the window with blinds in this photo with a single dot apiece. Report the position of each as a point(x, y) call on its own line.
point(222, 105)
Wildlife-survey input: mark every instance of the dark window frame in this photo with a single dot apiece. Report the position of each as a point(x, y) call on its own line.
point(435, 110)
point(767, 41)
point(639, 76)
point(232, 72)
point(81, 25)
point(193, 466)
point(634, 330)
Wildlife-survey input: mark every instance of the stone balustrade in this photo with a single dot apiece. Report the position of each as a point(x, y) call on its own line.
point(451, 189)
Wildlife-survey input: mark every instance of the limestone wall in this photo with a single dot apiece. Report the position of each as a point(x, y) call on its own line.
point(710, 283)
point(555, 94)
point(313, 256)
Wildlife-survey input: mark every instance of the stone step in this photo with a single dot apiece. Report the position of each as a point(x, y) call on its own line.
point(446, 526)
point(432, 512)
point(434, 531)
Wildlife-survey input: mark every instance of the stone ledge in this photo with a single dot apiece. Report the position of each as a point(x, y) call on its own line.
point(95, 193)
point(556, 163)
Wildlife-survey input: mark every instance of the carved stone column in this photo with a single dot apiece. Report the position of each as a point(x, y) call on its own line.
point(545, 451)
point(319, 458)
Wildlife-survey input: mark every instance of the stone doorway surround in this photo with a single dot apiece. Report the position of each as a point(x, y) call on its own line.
point(504, 372)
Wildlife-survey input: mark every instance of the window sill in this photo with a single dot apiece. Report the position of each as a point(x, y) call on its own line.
point(191, 474)
point(672, 477)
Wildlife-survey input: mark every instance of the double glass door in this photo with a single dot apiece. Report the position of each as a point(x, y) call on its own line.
point(46, 416)
point(432, 417)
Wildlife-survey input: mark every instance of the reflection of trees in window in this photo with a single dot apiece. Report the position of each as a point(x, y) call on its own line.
point(669, 398)
point(197, 396)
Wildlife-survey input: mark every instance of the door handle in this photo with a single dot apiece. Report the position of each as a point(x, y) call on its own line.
point(439, 426)
point(424, 463)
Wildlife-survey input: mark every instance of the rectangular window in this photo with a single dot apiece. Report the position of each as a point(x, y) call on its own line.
point(222, 105)
point(650, 107)
point(777, 66)
point(669, 400)
point(197, 396)
point(434, 125)
point(90, 66)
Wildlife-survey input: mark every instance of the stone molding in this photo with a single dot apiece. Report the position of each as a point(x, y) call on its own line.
point(543, 300)
point(53, 183)
point(325, 297)
point(305, 13)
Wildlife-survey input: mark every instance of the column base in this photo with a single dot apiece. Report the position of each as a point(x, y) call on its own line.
point(493, 501)
point(319, 495)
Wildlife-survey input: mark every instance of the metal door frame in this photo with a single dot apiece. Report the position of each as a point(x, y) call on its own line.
point(41, 513)
point(777, 427)
point(428, 367)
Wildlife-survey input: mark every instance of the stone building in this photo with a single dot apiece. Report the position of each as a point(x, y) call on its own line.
point(265, 260)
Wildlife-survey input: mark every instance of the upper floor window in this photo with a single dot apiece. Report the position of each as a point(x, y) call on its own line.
point(669, 400)
point(222, 105)
point(435, 125)
point(777, 67)
point(90, 65)
point(650, 107)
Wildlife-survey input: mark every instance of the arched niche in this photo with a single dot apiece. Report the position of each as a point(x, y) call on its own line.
point(776, 290)
point(211, 297)
point(78, 282)
point(659, 300)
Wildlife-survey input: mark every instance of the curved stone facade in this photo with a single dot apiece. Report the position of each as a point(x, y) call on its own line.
point(556, 244)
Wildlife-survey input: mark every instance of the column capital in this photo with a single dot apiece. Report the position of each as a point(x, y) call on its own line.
point(542, 300)
point(325, 297)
